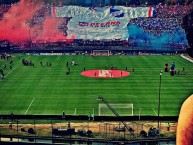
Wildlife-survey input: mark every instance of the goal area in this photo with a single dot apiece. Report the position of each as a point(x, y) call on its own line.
point(100, 53)
point(123, 109)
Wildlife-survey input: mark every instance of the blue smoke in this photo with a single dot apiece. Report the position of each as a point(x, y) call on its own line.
point(162, 40)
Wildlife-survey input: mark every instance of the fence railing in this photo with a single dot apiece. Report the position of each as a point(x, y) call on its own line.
point(34, 128)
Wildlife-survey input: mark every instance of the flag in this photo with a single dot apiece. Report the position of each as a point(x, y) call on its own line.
point(151, 12)
point(116, 12)
point(53, 11)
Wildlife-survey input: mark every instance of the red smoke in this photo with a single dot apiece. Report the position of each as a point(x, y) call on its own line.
point(50, 31)
point(15, 25)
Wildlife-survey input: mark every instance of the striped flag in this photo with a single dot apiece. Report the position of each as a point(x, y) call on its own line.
point(53, 11)
point(151, 12)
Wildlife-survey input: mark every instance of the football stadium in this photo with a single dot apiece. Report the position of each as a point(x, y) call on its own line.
point(95, 72)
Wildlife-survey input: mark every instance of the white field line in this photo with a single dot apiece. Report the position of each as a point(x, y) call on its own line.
point(179, 60)
point(29, 105)
point(58, 57)
point(139, 112)
point(57, 97)
point(154, 111)
point(186, 58)
point(14, 68)
point(74, 111)
point(145, 58)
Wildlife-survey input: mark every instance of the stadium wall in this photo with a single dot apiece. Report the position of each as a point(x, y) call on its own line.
point(60, 140)
point(88, 49)
point(84, 117)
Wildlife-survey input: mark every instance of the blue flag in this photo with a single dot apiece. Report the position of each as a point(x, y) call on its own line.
point(116, 12)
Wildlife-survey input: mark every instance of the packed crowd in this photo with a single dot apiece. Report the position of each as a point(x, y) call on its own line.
point(157, 25)
point(167, 18)
point(101, 43)
point(79, 43)
point(4, 9)
point(162, 11)
point(39, 17)
point(165, 11)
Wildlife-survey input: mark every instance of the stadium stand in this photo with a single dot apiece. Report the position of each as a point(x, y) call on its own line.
point(187, 26)
point(167, 21)
point(157, 25)
point(165, 11)
point(3, 9)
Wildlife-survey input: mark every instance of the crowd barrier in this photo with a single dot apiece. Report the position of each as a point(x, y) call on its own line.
point(85, 117)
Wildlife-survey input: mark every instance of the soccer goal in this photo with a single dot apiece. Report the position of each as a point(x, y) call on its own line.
point(123, 109)
point(100, 53)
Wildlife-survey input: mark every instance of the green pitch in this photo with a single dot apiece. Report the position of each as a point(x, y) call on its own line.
point(48, 90)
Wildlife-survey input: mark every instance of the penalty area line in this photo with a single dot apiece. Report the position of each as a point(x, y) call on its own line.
point(29, 105)
point(58, 57)
point(15, 68)
point(74, 111)
point(145, 58)
point(179, 60)
point(155, 112)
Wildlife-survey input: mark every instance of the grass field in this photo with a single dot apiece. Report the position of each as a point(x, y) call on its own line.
point(48, 90)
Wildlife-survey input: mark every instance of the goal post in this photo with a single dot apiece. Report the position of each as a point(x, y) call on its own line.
point(101, 53)
point(123, 109)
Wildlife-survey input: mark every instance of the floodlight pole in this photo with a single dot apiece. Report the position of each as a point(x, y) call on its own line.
point(158, 115)
point(52, 130)
point(116, 114)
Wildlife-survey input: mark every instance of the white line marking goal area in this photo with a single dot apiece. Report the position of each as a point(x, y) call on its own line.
point(145, 111)
point(58, 57)
point(30, 105)
point(123, 109)
point(155, 112)
point(83, 111)
point(15, 67)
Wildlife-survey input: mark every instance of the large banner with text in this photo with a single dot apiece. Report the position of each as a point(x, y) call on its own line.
point(108, 22)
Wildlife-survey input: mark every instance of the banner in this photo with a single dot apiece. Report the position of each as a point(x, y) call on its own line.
point(108, 22)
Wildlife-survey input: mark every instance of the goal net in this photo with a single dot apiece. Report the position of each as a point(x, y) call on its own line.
point(121, 109)
point(100, 53)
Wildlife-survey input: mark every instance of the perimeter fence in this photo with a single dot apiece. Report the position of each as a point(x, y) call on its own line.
point(68, 128)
